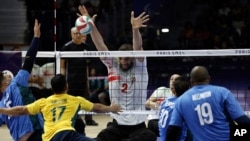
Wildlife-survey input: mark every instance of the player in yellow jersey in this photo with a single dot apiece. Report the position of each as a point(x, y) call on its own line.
point(60, 111)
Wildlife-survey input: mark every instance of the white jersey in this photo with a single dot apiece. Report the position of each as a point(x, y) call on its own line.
point(160, 94)
point(128, 89)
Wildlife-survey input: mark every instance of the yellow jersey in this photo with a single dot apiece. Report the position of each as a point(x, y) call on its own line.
point(59, 112)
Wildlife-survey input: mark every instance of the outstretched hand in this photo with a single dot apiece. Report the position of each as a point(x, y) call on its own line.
point(37, 31)
point(114, 108)
point(138, 22)
point(84, 12)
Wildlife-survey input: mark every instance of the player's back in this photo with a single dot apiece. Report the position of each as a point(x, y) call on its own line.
point(203, 108)
point(164, 119)
point(59, 112)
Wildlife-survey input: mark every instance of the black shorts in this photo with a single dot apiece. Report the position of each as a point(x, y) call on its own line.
point(36, 136)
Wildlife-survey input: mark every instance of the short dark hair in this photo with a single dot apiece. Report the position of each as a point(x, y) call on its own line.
point(58, 83)
point(181, 84)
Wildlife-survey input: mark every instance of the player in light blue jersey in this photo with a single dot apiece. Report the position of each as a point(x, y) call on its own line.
point(16, 92)
point(204, 108)
point(180, 85)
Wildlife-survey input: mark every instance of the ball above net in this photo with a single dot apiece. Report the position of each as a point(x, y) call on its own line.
point(83, 24)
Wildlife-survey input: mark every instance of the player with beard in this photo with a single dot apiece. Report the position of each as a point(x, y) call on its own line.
point(128, 80)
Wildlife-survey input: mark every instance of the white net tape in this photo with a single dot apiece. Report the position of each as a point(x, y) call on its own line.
point(149, 53)
point(146, 112)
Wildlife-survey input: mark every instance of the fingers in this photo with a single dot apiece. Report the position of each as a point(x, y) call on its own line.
point(94, 17)
point(141, 19)
point(37, 29)
point(37, 25)
point(132, 14)
point(36, 22)
point(142, 14)
point(144, 18)
point(83, 10)
point(79, 15)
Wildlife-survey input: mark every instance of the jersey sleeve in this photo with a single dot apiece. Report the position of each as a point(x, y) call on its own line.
point(232, 106)
point(22, 77)
point(34, 107)
point(176, 118)
point(85, 104)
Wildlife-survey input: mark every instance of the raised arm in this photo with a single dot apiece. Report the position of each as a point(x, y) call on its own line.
point(15, 111)
point(62, 66)
point(137, 23)
point(33, 48)
point(95, 34)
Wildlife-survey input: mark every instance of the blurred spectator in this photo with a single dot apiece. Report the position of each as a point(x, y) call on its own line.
point(186, 36)
point(39, 83)
point(104, 95)
point(224, 10)
point(16, 48)
point(95, 86)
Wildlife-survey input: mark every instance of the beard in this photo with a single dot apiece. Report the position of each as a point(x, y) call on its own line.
point(129, 66)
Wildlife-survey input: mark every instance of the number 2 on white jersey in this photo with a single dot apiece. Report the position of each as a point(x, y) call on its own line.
point(205, 114)
point(124, 88)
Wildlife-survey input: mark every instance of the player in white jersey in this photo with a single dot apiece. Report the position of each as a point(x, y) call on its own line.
point(155, 100)
point(128, 88)
point(128, 80)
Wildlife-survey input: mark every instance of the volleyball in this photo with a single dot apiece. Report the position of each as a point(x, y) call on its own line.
point(83, 24)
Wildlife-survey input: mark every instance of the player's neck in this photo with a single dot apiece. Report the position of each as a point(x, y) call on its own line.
point(200, 83)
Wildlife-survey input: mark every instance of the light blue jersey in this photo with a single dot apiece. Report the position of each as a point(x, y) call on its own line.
point(18, 93)
point(203, 109)
point(164, 118)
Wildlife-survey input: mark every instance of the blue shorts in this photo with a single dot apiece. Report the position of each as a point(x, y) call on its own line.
point(70, 135)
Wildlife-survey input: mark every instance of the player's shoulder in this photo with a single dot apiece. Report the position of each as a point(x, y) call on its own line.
point(219, 88)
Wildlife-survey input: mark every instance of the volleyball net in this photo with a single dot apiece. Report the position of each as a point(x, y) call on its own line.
point(228, 67)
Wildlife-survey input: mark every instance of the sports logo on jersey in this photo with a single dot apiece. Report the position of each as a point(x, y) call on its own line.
point(133, 79)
